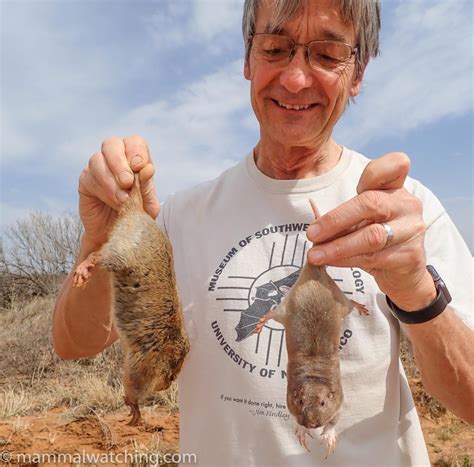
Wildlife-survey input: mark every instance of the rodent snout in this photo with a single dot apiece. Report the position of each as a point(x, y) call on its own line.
point(310, 418)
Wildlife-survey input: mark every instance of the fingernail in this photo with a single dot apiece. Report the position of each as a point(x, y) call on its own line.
point(316, 256)
point(136, 160)
point(314, 230)
point(125, 177)
point(121, 196)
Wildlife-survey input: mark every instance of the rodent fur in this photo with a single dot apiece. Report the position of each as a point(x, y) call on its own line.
point(146, 308)
point(312, 315)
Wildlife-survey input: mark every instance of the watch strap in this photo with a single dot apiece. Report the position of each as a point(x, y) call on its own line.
point(429, 312)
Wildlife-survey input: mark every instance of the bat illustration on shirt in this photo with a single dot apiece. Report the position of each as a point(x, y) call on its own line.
point(267, 296)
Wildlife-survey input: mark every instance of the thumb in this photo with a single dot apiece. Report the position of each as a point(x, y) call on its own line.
point(151, 205)
point(388, 172)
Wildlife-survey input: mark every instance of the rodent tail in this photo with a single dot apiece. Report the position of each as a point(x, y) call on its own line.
point(315, 208)
point(135, 200)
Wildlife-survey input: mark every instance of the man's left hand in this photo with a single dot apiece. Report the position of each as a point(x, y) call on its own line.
point(352, 235)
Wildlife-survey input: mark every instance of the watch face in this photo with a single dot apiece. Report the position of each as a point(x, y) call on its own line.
point(440, 285)
point(444, 289)
point(434, 273)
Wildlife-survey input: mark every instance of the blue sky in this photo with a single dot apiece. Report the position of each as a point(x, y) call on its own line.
point(76, 72)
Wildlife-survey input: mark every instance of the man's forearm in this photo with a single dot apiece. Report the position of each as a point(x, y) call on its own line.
point(82, 323)
point(443, 353)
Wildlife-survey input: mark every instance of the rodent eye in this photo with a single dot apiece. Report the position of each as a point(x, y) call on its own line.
point(322, 403)
point(301, 401)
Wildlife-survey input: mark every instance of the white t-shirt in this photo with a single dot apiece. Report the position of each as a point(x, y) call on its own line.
point(234, 239)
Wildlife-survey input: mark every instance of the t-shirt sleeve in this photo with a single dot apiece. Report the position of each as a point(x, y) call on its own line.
point(449, 254)
point(447, 251)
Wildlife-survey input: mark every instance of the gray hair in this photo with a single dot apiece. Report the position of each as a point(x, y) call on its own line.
point(363, 14)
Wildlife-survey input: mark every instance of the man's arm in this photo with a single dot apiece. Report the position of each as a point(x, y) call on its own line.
point(352, 236)
point(443, 353)
point(82, 322)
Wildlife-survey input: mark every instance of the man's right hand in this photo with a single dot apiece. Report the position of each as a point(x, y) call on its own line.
point(105, 182)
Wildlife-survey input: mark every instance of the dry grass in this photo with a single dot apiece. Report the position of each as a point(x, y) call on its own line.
point(14, 402)
point(34, 380)
point(168, 398)
point(431, 408)
point(449, 439)
point(454, 460)
point(147, 452)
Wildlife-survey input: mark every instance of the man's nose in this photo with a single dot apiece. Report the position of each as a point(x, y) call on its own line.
point(297, 73)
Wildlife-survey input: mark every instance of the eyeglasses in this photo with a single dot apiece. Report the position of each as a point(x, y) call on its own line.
point(331, 56)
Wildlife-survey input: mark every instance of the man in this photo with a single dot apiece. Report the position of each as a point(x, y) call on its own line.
point(240, 240)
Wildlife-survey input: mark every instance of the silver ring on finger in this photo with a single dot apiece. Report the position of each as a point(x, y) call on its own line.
point(389, 231)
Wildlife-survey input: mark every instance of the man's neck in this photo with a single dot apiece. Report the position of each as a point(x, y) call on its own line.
point(294, 163)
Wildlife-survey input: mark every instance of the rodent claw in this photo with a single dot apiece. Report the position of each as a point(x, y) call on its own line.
point(362, 309)
point(301, 433)
point(262, 321)
point(83, 272)
point(329, 437)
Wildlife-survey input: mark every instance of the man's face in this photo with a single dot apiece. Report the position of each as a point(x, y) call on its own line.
point(295, 82)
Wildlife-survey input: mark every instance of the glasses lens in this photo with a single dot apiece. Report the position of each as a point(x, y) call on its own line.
point(271, 47)
point(329, 55)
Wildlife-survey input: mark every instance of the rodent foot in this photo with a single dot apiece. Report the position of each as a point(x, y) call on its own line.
point(134, 412)
point(362, 309)
point(301, 432)
point(329, 437)
point(262, 321)
point(83, 272)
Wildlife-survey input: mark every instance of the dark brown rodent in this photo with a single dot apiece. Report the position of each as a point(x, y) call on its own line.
point(312, 314)
point(147, 312)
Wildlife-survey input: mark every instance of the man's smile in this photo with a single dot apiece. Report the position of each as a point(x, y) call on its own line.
point(297, 107)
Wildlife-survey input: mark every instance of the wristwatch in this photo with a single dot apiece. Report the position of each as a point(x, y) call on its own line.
point(431, 311)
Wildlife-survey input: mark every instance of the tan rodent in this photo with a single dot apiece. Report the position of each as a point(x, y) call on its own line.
point(147, 312)
point(312, 314)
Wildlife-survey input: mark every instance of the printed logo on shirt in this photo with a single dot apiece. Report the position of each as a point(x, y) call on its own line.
point(246, 294)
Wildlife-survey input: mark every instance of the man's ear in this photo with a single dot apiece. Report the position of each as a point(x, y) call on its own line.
point(357, 80)
point(247, 70)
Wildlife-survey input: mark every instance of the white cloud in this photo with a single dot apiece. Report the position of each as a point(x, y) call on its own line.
point(65, 88)
point(423, 75)
point(53, 84)
point(196, 23)
point(194, 134)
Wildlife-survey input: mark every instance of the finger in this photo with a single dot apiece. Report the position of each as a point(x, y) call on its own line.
point(400, 257)
point(373, 206)
point(98, 181)
point(385, 173)
point(147, 187)
point(369, 239)
point(113, 150)
point(87, 189)
point(136, 152)
point(341, 233)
